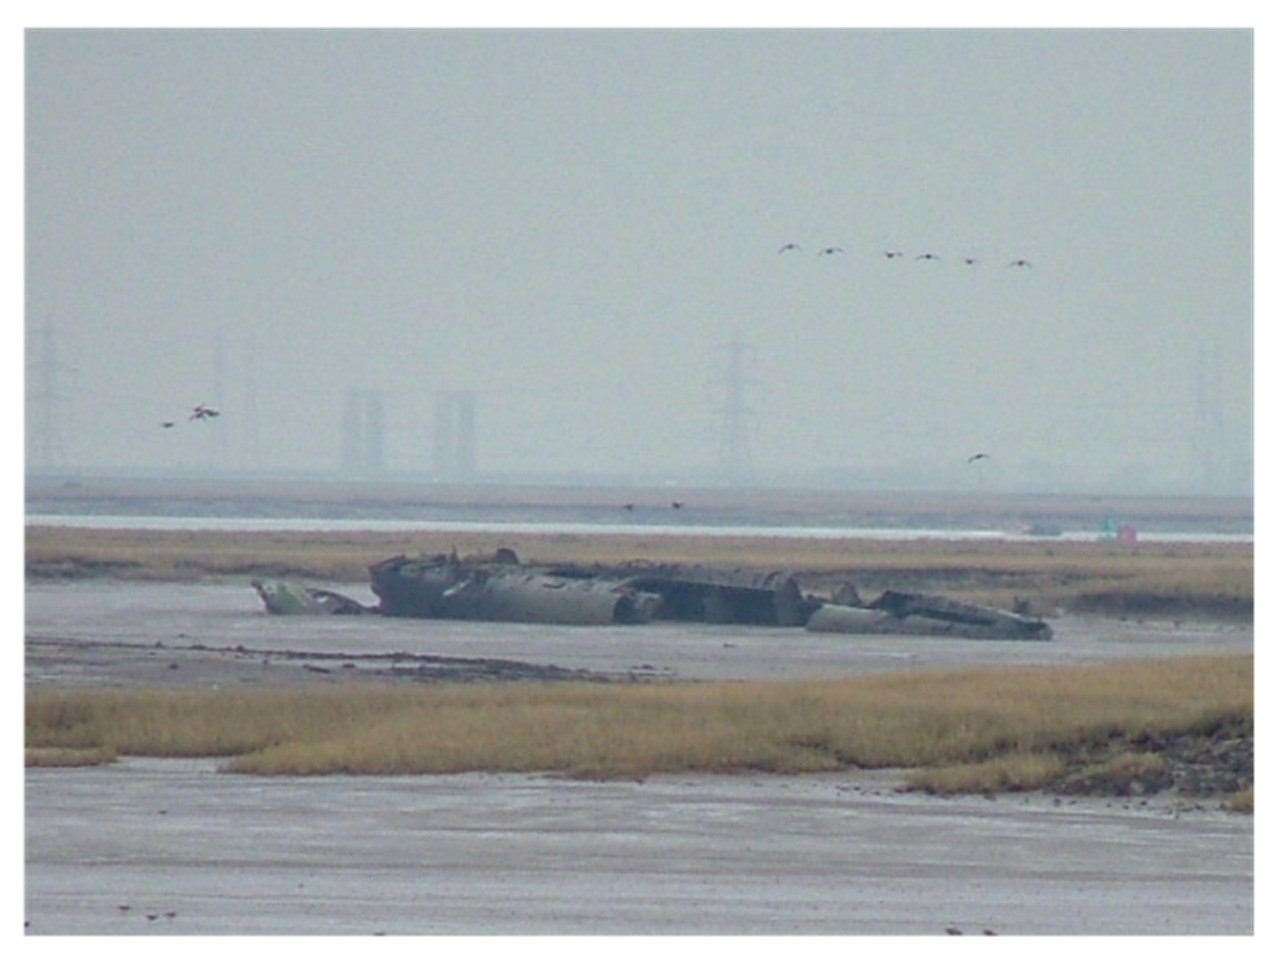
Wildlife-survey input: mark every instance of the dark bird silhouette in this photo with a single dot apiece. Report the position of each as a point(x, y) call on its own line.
point(978, 456)
point(628, 506)
point(167, 424)
point(928, 256)
point(153, 916)
point(124, 908)
point(891, 254)
point(202, 412)
point(954, 931)
point(789, 246)
point(970, 261)
point(988, 933)
point(677, 504)
point(1020, 263)
point(828, 251)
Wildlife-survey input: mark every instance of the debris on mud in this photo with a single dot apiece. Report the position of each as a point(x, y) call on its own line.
point(118, 663)
point(283, 597)
point(922, 614)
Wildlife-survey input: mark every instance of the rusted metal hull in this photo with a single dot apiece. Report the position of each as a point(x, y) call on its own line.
point(714, 595)
point(508, 593)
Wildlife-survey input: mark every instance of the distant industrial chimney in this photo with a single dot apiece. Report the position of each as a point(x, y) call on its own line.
point(363, 426)
point(454, 440)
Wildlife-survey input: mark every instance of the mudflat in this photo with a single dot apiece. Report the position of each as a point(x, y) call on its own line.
point(509, 854)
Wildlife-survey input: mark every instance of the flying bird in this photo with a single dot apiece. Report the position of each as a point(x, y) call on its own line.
point(928, 256)
point(677, 504)
point(970, 261)
point(978, 456)
point(167, 424)
point(203, 413)
point(789, 246)
point(891, 254)
point(628, 506)
point(827, 251)
point(1020, 263)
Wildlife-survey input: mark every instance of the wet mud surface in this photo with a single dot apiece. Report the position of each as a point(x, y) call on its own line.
point(138, 634)
point(171, 847)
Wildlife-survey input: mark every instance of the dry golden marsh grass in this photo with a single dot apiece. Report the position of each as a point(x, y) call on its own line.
point(1108, 577)
point(975, 730)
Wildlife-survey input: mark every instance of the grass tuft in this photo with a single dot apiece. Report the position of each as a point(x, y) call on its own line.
point(68, 757)
point(1241, 802)
point(1012, 772)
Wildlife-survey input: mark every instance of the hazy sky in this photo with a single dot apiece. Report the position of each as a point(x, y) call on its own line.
point(576, 223)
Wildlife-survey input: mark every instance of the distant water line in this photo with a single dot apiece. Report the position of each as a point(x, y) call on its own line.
point(825, 532)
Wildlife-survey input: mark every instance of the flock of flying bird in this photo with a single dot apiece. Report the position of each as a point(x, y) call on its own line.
point(896, 255)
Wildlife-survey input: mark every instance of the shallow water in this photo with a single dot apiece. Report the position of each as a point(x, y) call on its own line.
point(347, 524)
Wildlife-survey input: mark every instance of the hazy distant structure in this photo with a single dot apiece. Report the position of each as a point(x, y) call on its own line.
point(48, 398)
point(735, 464)
point(363, 431)
point(454, 439)
point(1209, 419)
